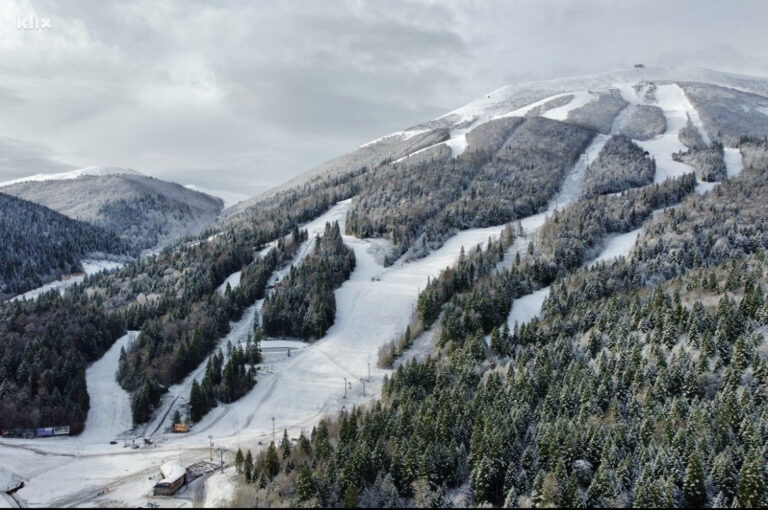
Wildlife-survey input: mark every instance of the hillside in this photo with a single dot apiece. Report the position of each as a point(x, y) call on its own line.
point(40, 245)
point(144, 211)
point(500, 302)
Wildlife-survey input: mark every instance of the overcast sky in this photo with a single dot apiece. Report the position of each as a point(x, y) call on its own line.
point(242, 95)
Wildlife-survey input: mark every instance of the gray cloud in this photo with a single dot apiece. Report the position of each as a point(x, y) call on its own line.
point(19, 159)
point(244, 95)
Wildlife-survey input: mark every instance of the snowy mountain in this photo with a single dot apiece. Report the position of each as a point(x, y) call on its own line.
point(497, 304)
point(73, 174)
point(145, 211)
point(726, 103)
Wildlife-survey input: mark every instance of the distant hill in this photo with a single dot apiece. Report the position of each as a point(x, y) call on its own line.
point(40, 245)
point(144, 211)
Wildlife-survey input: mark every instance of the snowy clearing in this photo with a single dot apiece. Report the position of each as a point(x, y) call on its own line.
point(89, 267)
point(458, 145)
point(527, 307)
point(617, 246)
point(232, 280)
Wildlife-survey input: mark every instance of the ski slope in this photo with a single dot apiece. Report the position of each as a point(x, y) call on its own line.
point(733, 162)
point(676, 109)
point(232, 280)
point(372, 307)
point(110, 412)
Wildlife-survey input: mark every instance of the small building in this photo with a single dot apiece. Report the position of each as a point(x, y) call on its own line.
point(180, 427)
point(174, 476)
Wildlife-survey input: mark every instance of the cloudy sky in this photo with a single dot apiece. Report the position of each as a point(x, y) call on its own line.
point(242, 95)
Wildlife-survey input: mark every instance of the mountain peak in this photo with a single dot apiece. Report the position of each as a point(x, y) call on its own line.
point(73, 174)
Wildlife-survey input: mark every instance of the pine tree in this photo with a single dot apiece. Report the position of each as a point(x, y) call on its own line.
point(752, 486)
point(239, 459)
point(285, 445)
point(693, 487)
point(248, 466)
point(350, 497)
point(305, 484)
point(176, 417)
point(272, 462)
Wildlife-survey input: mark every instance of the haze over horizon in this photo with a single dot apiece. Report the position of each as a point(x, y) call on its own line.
point(241, 97)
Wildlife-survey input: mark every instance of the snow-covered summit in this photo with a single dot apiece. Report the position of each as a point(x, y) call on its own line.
point(513, 97)
point(73, 174)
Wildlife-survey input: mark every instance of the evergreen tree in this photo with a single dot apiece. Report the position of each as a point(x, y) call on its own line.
point(239, 459)
point(752, 485)
point(305, 484)
point(285, 444)
point(272, 462)
point(693, 487)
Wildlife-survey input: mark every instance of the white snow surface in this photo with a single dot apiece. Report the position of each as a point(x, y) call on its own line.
point(401, 135)
point(233, 280)
point(527, 307)
point(73, 174)
point(617, 246)
point(110, 412)
point(580, 98)
point(676, 108)
point(522, 111)
point(172, 470)
point(230, 198)
point(90, 266)
point(733, 162)
point(458, 144)
point(219, 488)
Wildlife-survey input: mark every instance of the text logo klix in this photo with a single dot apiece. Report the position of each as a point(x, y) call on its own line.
point(32, 22)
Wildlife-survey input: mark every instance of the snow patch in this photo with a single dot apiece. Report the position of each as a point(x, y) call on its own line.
point(458, 145)
point(617, 246)
point(233, 280)
point(527, 307)
point(733, 162)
